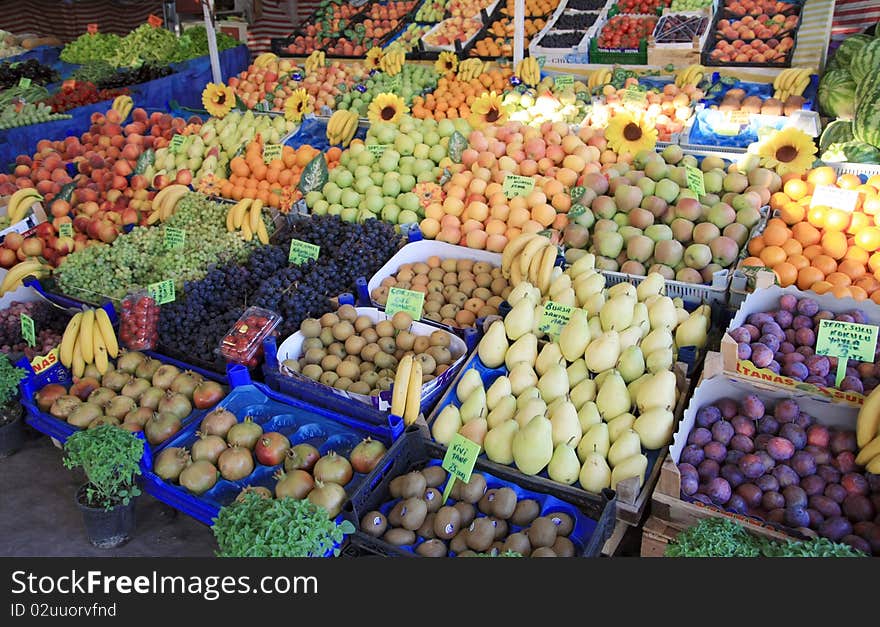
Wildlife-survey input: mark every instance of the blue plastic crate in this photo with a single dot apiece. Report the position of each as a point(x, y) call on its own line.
point(299, 421)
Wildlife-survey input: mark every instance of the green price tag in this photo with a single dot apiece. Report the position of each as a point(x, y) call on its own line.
point(174, 238)
point(28, 332)
point(407, 301)
point(177, 143)
point(24, 82)
point(695, 180)
point(577, 211)
point(577, 192)
point(554, 317)
point(459, 461)
point(635, 96)
point(846, 340)
point(65, 229)
point(564, 81)
point(377, 150)
point(271, 152)
point(162, 292)
point(300, 252)
point(515, 185)
point(541, 62)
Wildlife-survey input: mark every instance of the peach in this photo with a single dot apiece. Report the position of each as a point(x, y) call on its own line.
point(531, 226)
point(450, 222)
point(507, 164)
point(477, 211)
point(496, 243)
point(477, 239)
point(469, 156)
point(471, 225)
point(487, 159)
point(449, 235)
point(555, 153)
point(535, 149)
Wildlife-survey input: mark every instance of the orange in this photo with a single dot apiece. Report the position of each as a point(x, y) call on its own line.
point(857, 254)
point(752, 262)
point(868, 283)
point(874, 262)
point(859, 222)
point(775, 235)
point(816, 216)
point(792, 247)
point(821, 287)
point(792, 213)
point(786, 273)
point(848, 181)
point(809, 276)
point(841, 291)
point(853, 269)
point(857, 292)
point(795, 189)
point(876, 297)
point(756, 245)
point(812, 251)
point(778, 200)
point(868, 238)
point(838, 278)
point(799, 261)
point(834, 244)
point(239, 166)
point(874, 181)
point(806, 233)
point(772, 255)
point(824, 175)
point(777, 222)
point(836, 219)
point(825, 264)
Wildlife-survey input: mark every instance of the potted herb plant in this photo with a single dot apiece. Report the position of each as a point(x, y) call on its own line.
point(11, 420)
point(259, 526)
point(110, 458)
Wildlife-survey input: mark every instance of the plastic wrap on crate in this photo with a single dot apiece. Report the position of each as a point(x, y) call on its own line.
point(594, 519)
point(300, 422)
point(313, 131)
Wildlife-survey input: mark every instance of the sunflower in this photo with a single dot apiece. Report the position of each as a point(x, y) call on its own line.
point(628, 135)
point(218, 99)
point(788, 150)
point(387, 108)
point(446, 63)
point(297, 105)
point(209, 185)
point(428, 193)
point(488, 109)
point(374, 58)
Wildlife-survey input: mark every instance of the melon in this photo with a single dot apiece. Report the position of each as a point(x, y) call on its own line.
point(846, 51)
point(837, 91)
point(836, 132)
point(866, 61)
point(851, 152)
point(866, 122)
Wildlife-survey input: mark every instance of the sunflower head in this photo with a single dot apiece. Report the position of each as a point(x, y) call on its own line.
point(387, 108)
point(428, 193)
point(630, 135)
point(297, 105)
point(488, 109)
point(218, 99)
point(374, 58)
point(787, 151)
point(446, 63)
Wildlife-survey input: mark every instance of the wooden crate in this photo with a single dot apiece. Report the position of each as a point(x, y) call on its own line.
point(656, 534)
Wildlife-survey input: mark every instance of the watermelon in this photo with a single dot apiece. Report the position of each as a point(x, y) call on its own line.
point(852, 152)
point(847, 50)
point(837, 91)
point(866, 122)
point(866, 61)
point(836, 132)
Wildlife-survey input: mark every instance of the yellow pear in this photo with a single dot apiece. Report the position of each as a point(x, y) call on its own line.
point(575, 336)
point(559, 285)
point(475, 430)
point(526, 395)
point(554, 383)
point(564, 420)
point(599, 378)
point(499, 389)
point(533, 446)
point(498, 442)
point(564, 466)
point(585, 264)
point(634, 386)
point(617, 314)
point(633, 466)
point(522, 377)
point(640, 318)
point(583, 392)
point(622, 289)
point(577, 372)
point(588, 415)
point(596, 439)
point(592, 304)
point(523, 290)
point(613, 397)
point(657, 391)
point(661, 313)
point(474, 406)
point(681, 314)
point(520, 319)
point(538, 314)
point(655, 340)
point(566, 297)
point(532, 408)
point(603, 352)
point(493, 346)
point(525, 349)
point(550, 355)
point(504, 410)
point(631, 336)
point(693, 330)
point(468, 382)
point(620, 424)
point(655, 427)
point(595, 475)
point(446, 425)
point(626, 445)
point(652, 285)
point(588, 283)
point(595, 326)
point(660, 359)
point(631, 364)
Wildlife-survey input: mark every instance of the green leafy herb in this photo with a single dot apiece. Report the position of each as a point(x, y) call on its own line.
point(9, 378)
point(502, 554)
point(110, 457)
point(261, 527)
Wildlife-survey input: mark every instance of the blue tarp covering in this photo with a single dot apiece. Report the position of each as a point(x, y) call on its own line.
point(313, 132)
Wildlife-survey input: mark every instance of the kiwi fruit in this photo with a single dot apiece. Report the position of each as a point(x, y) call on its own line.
point(525, 512)
point(407, 486)
point(501, 528)
point(467, 512)
point(413, 514)
point(485, 503)
point(433, 499)
point(426, 531)
point(466, 553)
point(542, 532)
point(518, 542)
point(564, 523)
point(480, 535)
point(374, 523)
point(395, 516)
point(459, 542)
point(447, 522)
point(543, 551)
point(399, 537)
point(434, 476)
point(563, 547)
point(432, 548)
point(504, 503)
point(473, 490)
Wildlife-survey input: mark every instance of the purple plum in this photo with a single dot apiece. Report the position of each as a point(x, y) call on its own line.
point(700, 436)
point(808, 307)
point(743, 351)
point(795, 370)
point(801, 322)
point(692, 454)
point(753, 407)
point(707, 416)
point(727, 406)
point(786, 411)
point(805, 337)
point(722, 431)
point(761, 355)
point(788, 302)
point(818, 365)
point(741, 335)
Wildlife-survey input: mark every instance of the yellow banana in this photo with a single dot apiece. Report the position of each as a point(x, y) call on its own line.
point(19, 271)
point(68, 340)
point(255, 214)
point(262, 233)
point(100, 352)
point(86, 334)
point(240, 209)
point(535, 266)
point(230, 224)
point(78, 364)
point(868, 452)
point(531, 249)
point(413, 394)
point(868, 422)
point(514, 247)
point(106, 332)
point(545, 270)
point(20, 202)
point(401, 381)
point(873, 466)
point(246, 231)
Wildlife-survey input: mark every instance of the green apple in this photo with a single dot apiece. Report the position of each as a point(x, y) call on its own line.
point(407, 182)
point(422, 151)
point(365, 158)
point(416, 136)
point(391, 187)
point(349, 215)
point(373, 190)
point(438, 152)
point(407, 217)
point(387, 165)
point(312, 197)
point(431, 138)
point(355, 149)
point(374, 203)
point(320, 208)
point(426, 177)
point(361, 185)
point(332, 194)
point(404, 144)
point(390, 213)
point(362, 172)
point(350, 198)
point(409, 202)
point(445, 128)
point(406, 168)
point(377, 177)
point(335, 209)
point(344, 178)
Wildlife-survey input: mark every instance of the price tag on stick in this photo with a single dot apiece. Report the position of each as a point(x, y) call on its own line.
point(300, 252)
point(28, 332)
point(695, 180)
point(515, 185)
point(834, 197)
point(563, 81)
point(377, 150)
point(271, 152)
point(162, 292)
point(174, 238)
point(177, 143)
point(554, 317)
point(408, 301)
point(459, 461)
point(846, 340)
point(65, 229)
point(24, 82)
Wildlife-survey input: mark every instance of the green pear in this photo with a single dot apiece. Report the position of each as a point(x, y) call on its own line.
point(660, 337)
point(493, 346)
point(499, 389)
point(661, 359)
point(470, 380)
point(603, 352)
point(575, 335)
point(564, 420)
point(661, 313)
point(596, 439)
point(599, 378)
point(504, 410)
point(564, 466)
point(474, 406)
point(536, 326)
point(554, 383)
point(550, 355)
point(555, 403)
point(525, 349)
point(682, 315)
point(586, 287)
point(654, 283)
point(588, 415)
point(617, 314)
point(526, 395)
point(693, 330)
point(583, 392)
point(521, 377)
point(577, 372)
point(630, 337)
point(657, 391)
point(595, 326)
point(640, 318)
point(635, 385)
point(498, 442)
point(613, 397)
point(446, 425)
point(475, 430)
point(595, 475)
point(625, 289)
point(620, 424)
point(631, 364)
point(626, 445)
point(534, 407)
point(585, 264)
point(520, 319)
point(655, 427)
point(633, 466)
point(533, 446)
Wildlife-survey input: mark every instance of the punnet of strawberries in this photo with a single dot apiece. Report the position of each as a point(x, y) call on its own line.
point(79, 94)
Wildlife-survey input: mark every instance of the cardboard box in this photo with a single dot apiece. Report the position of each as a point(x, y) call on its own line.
point(36, 216)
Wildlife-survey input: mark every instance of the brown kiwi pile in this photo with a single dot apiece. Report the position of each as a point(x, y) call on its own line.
point(736, 100)
point(478, 520)
point(457, 291)
point(353, 353)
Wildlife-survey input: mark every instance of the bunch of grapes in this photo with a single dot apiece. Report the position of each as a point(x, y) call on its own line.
point(49, 324)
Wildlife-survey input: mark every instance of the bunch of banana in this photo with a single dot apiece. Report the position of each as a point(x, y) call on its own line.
point(529, 257)
point(18, 272)
point(528, 71)
point(265, 59)
point(599, 78)
point(469, 69)
point(691, 75)
point(868, 433)
point(165, 202)
point(123, 105)
point(392, 61)
point(20, 203)
point(88, 339)
point(315, 60)
point(342, 127)
point(406, 395)
point(247, 215)
point(791, 82)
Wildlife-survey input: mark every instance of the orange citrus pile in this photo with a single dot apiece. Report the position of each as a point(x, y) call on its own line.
point(452, 98)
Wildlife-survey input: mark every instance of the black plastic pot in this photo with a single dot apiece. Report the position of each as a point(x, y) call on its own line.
point(11, 432)
point(106, 529)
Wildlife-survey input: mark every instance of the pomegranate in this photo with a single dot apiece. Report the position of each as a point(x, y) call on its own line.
point(245, 433)
point(218, 422)
point(131, 426)
point(119, 406)
point(161, 427)
point(100, 421)
point(129, 361)
point(176, 404)
point(198, 477)
point(101, 396)
point(333, 468)
point(151, 397)
point(64, 406)
point(164, 376)
point(185, 383)
point(135, 388)
point(296, 484)
point(48, 394)
point(271, 449)
point(115, 380)
point(366, 455)
point(264, 493)
point(147, 368)
point(330, 496)
point(208, 447)
point(207, 394)
point(84, 414)
point(138, 416)
point(301, 457)
point(171, 462)
point(235, 463)
point(85, 386)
